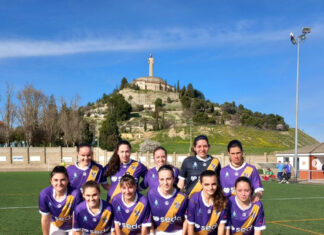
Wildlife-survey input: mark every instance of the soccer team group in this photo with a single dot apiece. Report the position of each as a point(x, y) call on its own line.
point(202, 198)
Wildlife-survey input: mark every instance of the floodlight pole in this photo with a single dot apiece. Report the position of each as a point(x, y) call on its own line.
point(296, 125)
point(300, 38)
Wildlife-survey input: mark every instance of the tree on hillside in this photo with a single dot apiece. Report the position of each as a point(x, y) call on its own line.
point(118, 107)
point(190, 91)
point(182, 92)
point(178, 86)
point(158, 103)
point(124, 83)
point(109, 133)
point(186, 102)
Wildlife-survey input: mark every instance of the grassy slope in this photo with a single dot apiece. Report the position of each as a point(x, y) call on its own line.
point(22, 189)
point(255, 141)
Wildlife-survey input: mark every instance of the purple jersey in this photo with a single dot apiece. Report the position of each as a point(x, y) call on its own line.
point(199, 213)
point(49, 205)
point(229, 175)
point(135, 168)
point(122, 213)
point(237, 217)
point(78, 176)
point(87, 222)
point(151, 179)
point(160, 206)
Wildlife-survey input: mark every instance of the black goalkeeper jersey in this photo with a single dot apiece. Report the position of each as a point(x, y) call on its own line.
point(191, 169)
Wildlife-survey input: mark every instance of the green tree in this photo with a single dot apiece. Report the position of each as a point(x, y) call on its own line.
point(118, 107)
point(158, 103)
point(124, 83)
point(109, 133)
point(190, 91)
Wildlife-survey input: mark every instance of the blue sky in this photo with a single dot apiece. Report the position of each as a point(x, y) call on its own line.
point(230, 50)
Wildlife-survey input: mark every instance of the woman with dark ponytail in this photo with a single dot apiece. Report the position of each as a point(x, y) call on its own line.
point(206, 211)
point(121, 164)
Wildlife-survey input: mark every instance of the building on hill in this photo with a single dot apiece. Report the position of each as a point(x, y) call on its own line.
point(151, 82)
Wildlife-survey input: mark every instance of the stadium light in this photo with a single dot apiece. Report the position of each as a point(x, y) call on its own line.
point(293, 40)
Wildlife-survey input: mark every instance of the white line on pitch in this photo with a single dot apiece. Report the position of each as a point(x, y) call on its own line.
point(291, 198)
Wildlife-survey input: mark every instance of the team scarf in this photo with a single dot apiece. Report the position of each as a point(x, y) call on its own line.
point(134, 216)
point(246, 173)
point(212, 221)
point(130, 170)
point(212, 166)
point(65, 212)
point(93, 173)
point(102, 222)
point(253, 214)
point(173, 210)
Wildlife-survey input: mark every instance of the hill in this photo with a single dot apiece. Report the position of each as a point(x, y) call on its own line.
point(255, 141)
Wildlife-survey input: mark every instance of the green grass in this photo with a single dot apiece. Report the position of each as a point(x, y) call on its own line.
point(255, 141)
point(21, 189)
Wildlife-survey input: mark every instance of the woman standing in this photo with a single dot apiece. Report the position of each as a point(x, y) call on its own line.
point(193, 166)
point(85, 169)
point(57, 202)
point(237, 168)
point(245, 217)
point(93, 215)
point(168, 205)
point(151, 179)
point(121, 164)
point(206, 211)
point(131, 209)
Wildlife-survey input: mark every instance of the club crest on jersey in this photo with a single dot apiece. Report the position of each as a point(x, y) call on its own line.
point(177, 205)
point(226, 174)
point(234, 214)
point(118, 209)
point(59, 205)
point(113, 178)
point(193, 178)
point(137, 213)
point(75, 175)
point(156, 203)
point(199, 211)
point(226, 190)
point(93, 174)
point(246, 174)
point(85, 219)
point(49, 204)
point(213, 166)
point(253, 215)
point(195, 165)
point(84, 173)
point(153, 176)
point(94, 220)
point(244, 214)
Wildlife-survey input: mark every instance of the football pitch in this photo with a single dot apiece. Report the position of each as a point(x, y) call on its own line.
point(289, 208)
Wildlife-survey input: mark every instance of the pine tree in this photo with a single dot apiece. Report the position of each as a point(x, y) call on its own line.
point(124, 83)
point(109, 133)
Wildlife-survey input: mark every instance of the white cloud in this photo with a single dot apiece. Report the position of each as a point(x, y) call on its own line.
point(169, 38)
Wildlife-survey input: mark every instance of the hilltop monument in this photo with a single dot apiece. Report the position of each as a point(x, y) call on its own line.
point(151, 82)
